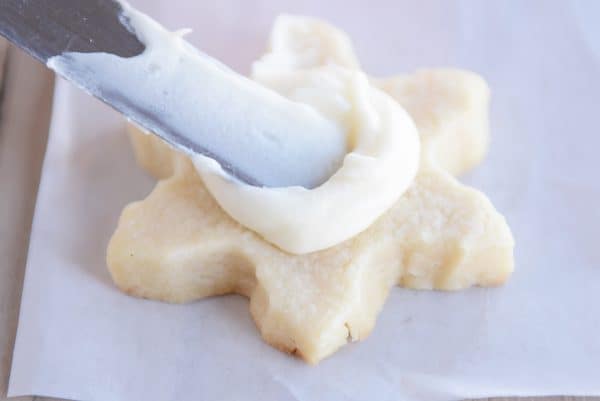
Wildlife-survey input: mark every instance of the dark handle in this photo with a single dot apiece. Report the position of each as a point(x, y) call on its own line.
point(46, 28)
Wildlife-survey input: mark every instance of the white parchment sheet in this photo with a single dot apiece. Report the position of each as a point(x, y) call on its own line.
point(80, 338)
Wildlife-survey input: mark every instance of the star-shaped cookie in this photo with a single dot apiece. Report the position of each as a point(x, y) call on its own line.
point(178, 245)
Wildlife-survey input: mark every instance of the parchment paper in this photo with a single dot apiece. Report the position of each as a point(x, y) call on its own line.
point(80, 338)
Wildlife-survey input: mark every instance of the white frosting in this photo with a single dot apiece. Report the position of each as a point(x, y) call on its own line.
point(311, 62)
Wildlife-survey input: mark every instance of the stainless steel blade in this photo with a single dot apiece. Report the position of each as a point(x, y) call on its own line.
point(48, 28)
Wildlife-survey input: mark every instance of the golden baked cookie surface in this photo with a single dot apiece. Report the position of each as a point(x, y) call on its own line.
point(178, 245)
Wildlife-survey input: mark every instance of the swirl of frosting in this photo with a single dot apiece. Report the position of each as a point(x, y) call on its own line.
point(313, 63)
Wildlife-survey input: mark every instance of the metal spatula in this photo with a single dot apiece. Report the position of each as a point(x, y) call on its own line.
point(48, 28)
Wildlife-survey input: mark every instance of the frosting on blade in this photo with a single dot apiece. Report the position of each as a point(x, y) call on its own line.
point(199, 105)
